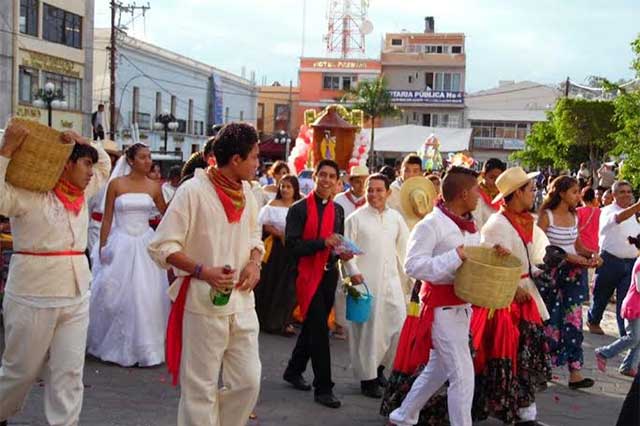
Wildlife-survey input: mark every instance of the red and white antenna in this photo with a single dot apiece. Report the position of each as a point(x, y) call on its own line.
point(347, 26)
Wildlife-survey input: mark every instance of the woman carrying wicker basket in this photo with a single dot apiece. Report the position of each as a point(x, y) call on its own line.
point(511, 363)
point(565, 291)
point(47, 295)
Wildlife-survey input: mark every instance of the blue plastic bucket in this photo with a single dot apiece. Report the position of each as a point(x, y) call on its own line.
point(359, 310)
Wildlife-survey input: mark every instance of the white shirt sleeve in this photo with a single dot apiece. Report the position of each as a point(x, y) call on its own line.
point(351, 232)
point(421, 264)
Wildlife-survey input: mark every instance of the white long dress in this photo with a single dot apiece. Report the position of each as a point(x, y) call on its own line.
point(129, 301)
point(383, 238)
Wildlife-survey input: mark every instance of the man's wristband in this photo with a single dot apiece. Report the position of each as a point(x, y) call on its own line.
point(257, 263)
point(197, 271)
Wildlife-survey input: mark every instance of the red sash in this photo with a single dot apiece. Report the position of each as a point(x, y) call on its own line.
point(51, 253)
point(358, 204)
point(311, 268)
point(434, 296)
point(489, 201)
point(173, 346)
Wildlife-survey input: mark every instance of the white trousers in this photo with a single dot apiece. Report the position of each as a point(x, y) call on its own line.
point(208, 342)
point(450, 359)
point(53, 338)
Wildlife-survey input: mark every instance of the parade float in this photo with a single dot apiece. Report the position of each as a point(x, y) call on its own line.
point(334, 134)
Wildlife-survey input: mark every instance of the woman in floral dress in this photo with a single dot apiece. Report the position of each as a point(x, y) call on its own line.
point(563, 290)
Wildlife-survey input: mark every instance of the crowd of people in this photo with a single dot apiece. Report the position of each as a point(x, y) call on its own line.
point(114, 263)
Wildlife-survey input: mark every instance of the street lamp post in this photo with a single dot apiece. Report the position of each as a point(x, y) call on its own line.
point(284, 138)
point(165, 121)
point(50, 98)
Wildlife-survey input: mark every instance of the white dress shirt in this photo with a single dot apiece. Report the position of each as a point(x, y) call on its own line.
point(431, 251)
point(613, 236)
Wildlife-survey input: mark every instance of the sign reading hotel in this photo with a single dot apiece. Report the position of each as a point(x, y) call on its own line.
point(345, 65)
point(426, 97)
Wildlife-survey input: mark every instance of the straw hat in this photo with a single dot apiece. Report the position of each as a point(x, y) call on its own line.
point(359, 171)
point(512, 179)
point(111, 147)
point(417, 196)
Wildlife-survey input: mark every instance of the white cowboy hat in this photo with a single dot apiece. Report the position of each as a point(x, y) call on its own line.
point(417, 197)
point(359, 171)
point(111, 147)
point(511, 180)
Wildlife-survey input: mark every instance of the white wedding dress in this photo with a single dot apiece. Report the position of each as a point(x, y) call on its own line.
point(129, 301)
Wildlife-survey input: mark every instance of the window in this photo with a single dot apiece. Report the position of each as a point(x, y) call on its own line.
point(348, 82)
point(446, 85)
point(455, 82)
point(71, 88)
point(396, 42)
point(158, 103)
point(428, 77)
point(260, 122)
point(426, 120)
point(182, 126)
point(143, 119)
point(190, 129)
point(456, 49)
point(281, 117)
point(331, 82)
point(60, 26)
point(448, 82)
point(135, 104)
point(174, 103)
point(415, 116)
point(29, 17)
point(410, 79)
point(241, 115)
point(226, 114)
point(27, 84)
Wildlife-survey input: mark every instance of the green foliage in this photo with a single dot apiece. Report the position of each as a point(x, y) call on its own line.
point(374, 99)
point(541, 147)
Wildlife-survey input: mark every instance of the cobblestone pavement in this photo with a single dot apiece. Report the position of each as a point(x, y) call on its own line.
point(144, 397)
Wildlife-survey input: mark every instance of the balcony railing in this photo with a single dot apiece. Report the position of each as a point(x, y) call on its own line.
point(506, 144)
point(426, 97)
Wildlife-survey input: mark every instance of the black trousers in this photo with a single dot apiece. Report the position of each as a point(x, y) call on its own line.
point(630, 414)
point(313, 341)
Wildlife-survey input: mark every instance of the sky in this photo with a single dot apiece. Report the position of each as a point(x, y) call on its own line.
point(539, 40)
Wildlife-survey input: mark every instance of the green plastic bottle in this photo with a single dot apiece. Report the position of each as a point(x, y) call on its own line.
point(220, 297)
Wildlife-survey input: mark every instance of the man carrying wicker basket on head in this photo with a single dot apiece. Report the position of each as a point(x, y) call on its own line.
point(46, 304)
point(511, 361)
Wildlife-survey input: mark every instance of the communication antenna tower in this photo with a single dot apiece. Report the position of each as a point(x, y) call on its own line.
point(347, 26)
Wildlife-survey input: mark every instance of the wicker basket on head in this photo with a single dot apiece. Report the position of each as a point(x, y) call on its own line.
point(38, 163)
point(486, 279)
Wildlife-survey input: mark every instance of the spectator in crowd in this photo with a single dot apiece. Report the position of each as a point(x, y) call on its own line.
point(606, 176)
point(617, 223)
point(97, 123)
point(169, 188)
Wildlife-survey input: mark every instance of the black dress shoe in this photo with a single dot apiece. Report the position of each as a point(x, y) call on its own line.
point(382, 381)
point(296, 380)
point(582, 384)
point(328, 400)
point(371, 388)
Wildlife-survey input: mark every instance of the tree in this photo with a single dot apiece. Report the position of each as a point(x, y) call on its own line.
point(374, 99)
point(627, 117)
point(577, 130)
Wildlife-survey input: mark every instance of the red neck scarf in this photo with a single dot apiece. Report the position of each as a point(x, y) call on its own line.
point(465, 224)
point(522, 222)
point(230, 193)
point(310, 268)
point(488, 195)
point(353, 200)
point(71, 197)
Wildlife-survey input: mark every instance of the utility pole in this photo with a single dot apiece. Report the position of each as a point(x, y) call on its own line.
point(289, 119)
point(566, 88)
point(117, 6)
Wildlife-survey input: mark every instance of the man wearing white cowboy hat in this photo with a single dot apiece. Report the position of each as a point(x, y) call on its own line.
point(513, 230)
point(411, 167)
point(353, 198)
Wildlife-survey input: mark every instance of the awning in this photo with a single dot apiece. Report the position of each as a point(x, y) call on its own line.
point(410, 138)
point(268, 148)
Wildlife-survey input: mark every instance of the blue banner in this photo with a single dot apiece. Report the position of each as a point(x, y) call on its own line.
point(426, 97)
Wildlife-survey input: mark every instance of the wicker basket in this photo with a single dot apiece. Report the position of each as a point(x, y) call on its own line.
point(38, 163)
point(486, 279)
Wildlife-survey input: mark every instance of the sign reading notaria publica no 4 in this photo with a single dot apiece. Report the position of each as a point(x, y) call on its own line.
point(426, 97)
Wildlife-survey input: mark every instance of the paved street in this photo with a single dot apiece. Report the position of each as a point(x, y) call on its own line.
point(144, 397)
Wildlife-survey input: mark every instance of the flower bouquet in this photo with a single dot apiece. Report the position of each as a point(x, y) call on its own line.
point(346, 246)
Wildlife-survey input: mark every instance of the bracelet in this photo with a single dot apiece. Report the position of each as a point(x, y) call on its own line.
point(197, 271)
point(257, 263)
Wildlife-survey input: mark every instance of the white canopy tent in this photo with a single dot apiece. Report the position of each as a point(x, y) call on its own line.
point(410, 138)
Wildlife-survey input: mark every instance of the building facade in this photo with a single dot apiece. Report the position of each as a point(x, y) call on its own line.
point(42, 42)
point(502, 117)
point(324, 81)
point(425, 73)
point(152, 80)
point(276, 109)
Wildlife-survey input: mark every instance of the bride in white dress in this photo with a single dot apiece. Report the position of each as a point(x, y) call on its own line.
point(129, 301)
